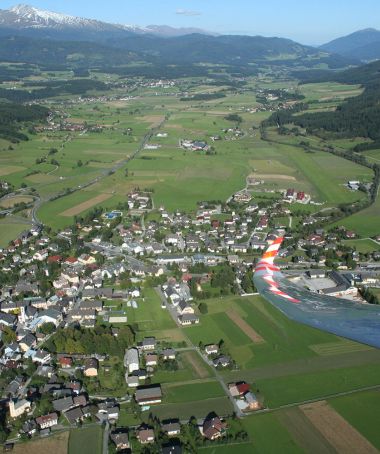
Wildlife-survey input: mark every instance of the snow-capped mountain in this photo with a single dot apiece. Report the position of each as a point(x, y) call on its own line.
point(28, 18)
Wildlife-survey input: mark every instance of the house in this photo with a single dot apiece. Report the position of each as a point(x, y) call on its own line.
point(149, 343)
point(86, 259)
point(188, 319)
point(91, 367)
point(151, 359)
point(46, 421)
point(148, 395)
point(18, 407)
point(74, 415)
point(65, 362)
point(41, 255)
point(131, 359)
point(172, 448)
point(7, 319)
point(211, 349)
point(213, 427)
point(108, 411)
point(63, 404)
point(184, 308)
point(132, 381)
point(171, 427)
point(222, 361)
point(41, 357)
point(29, 427)
point(120, 438)
point(251, 399)
point(168, 353)
point(27, 342)
point(145, 435)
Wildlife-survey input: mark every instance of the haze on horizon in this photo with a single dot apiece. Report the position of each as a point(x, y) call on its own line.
point(313, 24)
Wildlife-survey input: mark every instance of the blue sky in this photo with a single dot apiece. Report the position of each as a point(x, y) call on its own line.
point(307, 21)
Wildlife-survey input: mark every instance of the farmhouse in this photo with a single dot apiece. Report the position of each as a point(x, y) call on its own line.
point(213, 427)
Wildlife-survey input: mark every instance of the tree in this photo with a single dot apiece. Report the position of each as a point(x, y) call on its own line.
point(203, 309)
point(47, 328)
point(8, 335)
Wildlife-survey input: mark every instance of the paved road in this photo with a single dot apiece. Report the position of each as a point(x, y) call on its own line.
point(105, 438)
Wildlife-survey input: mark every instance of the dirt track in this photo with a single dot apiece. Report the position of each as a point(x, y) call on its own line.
point(337, 431)
point(195, 362)
point(245, 327)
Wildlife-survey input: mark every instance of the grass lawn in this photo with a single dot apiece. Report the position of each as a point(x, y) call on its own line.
point(174, 393)
point(362, 411)
point(364, 246)
point(198, 408)
point(87, 440)
point(149, 316)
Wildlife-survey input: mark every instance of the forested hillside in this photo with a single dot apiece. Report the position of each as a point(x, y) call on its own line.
point(13, 115)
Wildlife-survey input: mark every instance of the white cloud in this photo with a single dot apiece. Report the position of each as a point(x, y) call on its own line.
point(187, 12)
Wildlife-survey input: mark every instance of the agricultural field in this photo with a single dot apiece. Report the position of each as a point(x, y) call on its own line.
point(9, 231)
point(86, 440)
point(292, 362)
point(356, 409)
point(57, 444)
point(178, 178)
point(366, 222)
point(329, 91)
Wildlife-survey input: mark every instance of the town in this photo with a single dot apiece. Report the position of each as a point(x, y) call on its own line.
point(68, 299)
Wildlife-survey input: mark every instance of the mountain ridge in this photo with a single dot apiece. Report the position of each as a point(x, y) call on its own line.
point(24, 17)
point(362, 44)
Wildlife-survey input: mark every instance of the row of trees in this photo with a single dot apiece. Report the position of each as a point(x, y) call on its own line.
point(90, 341)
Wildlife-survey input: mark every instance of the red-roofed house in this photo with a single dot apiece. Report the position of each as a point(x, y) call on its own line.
point(65, 362)
point(242, 388)
point(54, 259)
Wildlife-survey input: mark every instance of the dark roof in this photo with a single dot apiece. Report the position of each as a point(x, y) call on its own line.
point(74, 415)
point(63, 404)
point(146, 393)
point(172, 449)
point(90, 363)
